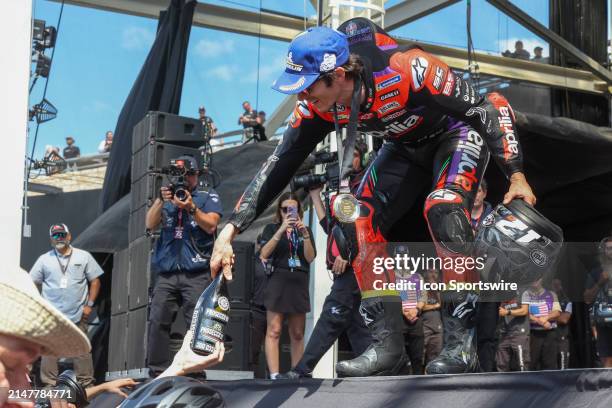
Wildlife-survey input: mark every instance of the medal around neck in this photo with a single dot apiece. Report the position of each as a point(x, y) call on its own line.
point(346, 208)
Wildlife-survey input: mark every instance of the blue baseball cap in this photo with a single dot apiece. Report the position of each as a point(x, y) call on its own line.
point(312, 53)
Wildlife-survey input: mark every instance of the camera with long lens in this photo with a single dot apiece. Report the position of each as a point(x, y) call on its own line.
point(306, 177)
point(66, 387)
point(177, 172)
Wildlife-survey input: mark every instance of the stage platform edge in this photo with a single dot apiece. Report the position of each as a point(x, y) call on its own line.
point(569, 388)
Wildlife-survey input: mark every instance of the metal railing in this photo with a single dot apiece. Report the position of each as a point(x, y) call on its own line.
point(218, 142)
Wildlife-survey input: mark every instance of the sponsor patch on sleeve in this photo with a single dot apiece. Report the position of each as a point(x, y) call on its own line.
point(418, 67)
point(438, 78)
point(449, 84)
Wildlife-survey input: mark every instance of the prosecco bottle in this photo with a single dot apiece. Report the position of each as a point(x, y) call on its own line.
point(210, 317)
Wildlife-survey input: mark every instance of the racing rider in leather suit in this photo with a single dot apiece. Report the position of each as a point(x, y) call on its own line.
point(438, 134)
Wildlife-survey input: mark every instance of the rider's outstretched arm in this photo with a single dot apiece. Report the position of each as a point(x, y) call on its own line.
point(305, 130)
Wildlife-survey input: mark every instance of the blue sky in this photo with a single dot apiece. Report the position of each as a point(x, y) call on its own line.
point(99, 54)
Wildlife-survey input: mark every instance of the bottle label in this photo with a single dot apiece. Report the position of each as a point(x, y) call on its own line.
point(214, 334)
point(217, 315)
point(206, 347)
point(224, 303)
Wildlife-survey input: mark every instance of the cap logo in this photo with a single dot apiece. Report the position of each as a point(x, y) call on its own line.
point(291, 65)
point(329, 62)
point(293, 87)
point(351, 29)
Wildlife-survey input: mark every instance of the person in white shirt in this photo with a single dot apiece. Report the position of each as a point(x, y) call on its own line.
point(105, 145)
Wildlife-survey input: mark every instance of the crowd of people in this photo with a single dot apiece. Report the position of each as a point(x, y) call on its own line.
point(72, 151)
point(252, 122)
point(521, 53)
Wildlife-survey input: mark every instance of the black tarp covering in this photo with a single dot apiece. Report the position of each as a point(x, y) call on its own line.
point(158, 88)
point(569, 166)
point(109, 232)
point(77, 209)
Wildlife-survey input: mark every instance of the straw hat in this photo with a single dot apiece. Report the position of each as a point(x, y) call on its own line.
point(25, 314)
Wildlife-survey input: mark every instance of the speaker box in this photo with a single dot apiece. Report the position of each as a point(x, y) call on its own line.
point(137, 227)
point(137, 338)
point(145, 190)
point(117, 342)
point(167, 128)
point(120, 282)
point(155, 155)
point(241, 287)
point(238, 328)
point(140, 279)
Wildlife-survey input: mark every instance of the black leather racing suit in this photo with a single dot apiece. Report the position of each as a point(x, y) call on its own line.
point(438, 133)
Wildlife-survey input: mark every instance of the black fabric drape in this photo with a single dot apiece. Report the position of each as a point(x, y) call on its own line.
point(157, 88)
point(567, 163)
point(109, 232)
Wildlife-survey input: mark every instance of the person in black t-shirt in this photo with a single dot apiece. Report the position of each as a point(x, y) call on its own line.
point(71, 151)
point(513, 350)
point(210, 129)
point(289, 247)
point(250, 119)
point(563, 332)
point(598, 290)
point(432, 319)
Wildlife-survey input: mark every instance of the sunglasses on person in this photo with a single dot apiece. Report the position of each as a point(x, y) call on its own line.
point(59, 235)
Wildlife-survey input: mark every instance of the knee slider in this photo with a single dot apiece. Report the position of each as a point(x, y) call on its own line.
point(448, 221)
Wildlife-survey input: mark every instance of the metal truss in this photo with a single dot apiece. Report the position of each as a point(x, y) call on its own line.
point(267, 24)
point(411, 10)
point(555, 39)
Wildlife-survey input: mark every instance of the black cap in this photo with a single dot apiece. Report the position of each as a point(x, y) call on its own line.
point(192, 161)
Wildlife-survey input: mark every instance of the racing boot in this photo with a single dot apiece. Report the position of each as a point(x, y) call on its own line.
point(386, 355)
point(459, 324)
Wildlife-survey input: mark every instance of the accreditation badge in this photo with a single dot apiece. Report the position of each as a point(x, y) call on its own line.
point(346, 208)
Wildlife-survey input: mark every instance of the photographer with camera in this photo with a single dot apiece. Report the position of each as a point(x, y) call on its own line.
point(340, 310)
point(287, 247)
point(188, 219)
point(599, 293)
